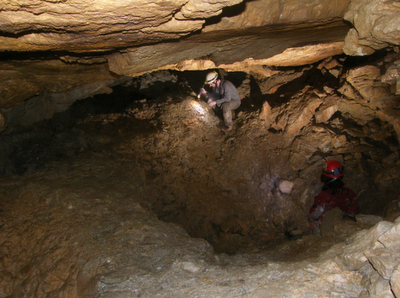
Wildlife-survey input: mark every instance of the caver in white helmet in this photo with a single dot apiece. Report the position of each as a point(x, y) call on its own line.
point(211, 77)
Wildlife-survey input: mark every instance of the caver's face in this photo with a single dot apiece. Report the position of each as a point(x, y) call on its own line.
point(214, 84)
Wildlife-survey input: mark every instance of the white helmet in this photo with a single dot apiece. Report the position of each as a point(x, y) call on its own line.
point(211, 77)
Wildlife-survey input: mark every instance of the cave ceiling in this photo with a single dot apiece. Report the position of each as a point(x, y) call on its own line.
point(80, 48)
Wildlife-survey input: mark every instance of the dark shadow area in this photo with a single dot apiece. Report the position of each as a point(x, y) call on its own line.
point(228, 12)
point(358, 61)
point(313, 77)
point(29, 148)
point(47, 55)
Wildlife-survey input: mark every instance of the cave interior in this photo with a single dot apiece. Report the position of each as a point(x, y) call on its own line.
point(113, 176)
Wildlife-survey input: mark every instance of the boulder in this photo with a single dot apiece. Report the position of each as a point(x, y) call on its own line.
point(376, 26)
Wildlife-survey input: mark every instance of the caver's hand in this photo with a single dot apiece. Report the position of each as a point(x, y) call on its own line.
point(212, 103)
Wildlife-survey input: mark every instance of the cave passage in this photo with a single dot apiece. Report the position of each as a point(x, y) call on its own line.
point(221, 187)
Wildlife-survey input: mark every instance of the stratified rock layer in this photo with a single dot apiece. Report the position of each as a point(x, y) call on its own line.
point(92, 26)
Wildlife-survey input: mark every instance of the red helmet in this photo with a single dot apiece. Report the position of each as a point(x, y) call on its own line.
point(332, 169)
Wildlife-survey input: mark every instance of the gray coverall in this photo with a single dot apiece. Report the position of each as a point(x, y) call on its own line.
point(227, 96)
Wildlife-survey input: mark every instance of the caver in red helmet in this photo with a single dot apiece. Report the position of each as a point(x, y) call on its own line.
point(332, 169)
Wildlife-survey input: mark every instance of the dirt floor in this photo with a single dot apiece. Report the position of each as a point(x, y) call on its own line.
point(86, 227)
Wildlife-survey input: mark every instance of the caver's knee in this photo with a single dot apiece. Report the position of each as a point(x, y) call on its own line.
point(227, 112)
point(230, 106)
point(225, 108)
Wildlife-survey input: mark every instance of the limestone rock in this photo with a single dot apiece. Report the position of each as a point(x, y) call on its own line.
point(368, 219)
point(339, 141)
point(304, 147)
point(298, 56)
point(392, 73)
point(3, 122)
point(269, 84)
point(285, 186)
point(392, 76)
point(384, 261)
point(327, 109)
point(45, 106)
point(353, 47)
point(27, 79)
point(110, 246)
point(195, 9)
point(134, 37)
point(395, 282)
point(387, 174)
point(295, 114)
point(244, 89)
point(267, 12)
point(366, 80)
point(101, 24)
point(353, 256)
point(192, 266)
point(371, 98)
point(379, 287)
point(356, 111)
point(347, 90)
point(391, 238)
point(328, 64)
point(302, 116)
point(265, 114)
point(376, 25)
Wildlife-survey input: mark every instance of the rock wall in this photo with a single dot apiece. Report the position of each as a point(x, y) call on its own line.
point(78, 26)
point(279, 13)
point(376, 26)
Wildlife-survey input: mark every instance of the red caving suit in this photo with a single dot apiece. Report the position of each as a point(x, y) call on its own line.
point(344, 198)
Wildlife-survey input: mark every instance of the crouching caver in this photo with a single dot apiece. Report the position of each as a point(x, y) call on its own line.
point(333, 195)
point(224, 95)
